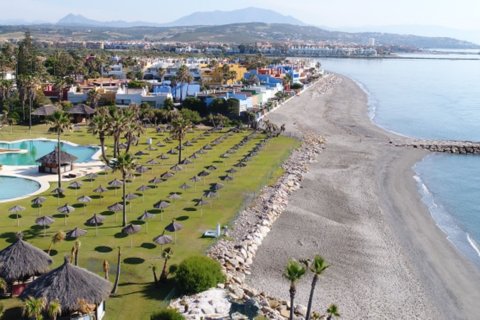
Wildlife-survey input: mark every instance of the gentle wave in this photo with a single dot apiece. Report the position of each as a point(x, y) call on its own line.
point(474, 244)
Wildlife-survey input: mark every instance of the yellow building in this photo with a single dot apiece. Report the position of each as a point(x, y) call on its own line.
point(218, 76)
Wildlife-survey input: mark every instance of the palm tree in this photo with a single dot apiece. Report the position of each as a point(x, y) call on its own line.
point(3, 286)
point(117, 276)
point(100, 126)
point(180, 126)
point(33, 308)
point(30, 84)
point(293, 272)
point(57, 238)
point(117, 122)
point(93, 98)
point(125, 163)
point(332, 312)
point(183, 75)
point(161, 73)
point(77, 249)
point(317, 266)
point(166, 255)
point(106, 268)
point(54, 309)
point(59, 122)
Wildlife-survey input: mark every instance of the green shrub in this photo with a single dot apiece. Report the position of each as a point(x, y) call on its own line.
point(296, 86)
point(167, 314)
point(198, 273)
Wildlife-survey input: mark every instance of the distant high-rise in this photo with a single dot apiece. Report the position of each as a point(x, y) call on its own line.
point(371, 42)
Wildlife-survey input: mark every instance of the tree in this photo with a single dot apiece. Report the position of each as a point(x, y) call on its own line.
point(106, 268)
point(100, 126)
point(166, 255)
point(93, 98)
point(77, 249)
point(161, 73)
point(30, 83)
point(117, 276)
point(293, 272)
point(54, 309)
point(126, 164)
point(6, 87)
point(57, 238)
point(33, 308)
point(317, 266)
point(180, 126)
point(183, 75)
point(59, 122)
point(3, 286)
point(332, 312)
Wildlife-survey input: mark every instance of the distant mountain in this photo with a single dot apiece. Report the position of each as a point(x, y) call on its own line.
point(246, 15)
point(76, 20)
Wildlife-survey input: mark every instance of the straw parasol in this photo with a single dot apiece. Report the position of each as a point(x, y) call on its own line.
point(174, 227)
point(122, 146)
point(227, 178)
point(188, 144)
point(186, 162)
point(95, 220)
point(217, 186)
point(172, 151)
point(69, 285)
point(185, 186)
point(204, 173)
point(145, 217)
point(75, 185)
point(231, 171)
point(91, 176)
point(115, 183)
point(162, 205)
point(66, 210)
point(163, 156)
point(16, 209)
point(167, 175)
point(84, 200)
point(174, 196)
point(155, 180)
point(176, 168)
point(142, 189)
point(38, 201)
point(116, 207)
point(163, 239)
point(152, 162)
point(140, 153)
point(131, 229)
point(20, 261)
point(141, 169)
point(76, 233)
point(193, 156)
point(160, 144)
point(210, 194)
point(201, 203)
point(44, 222)
point(100, 189)
point(211, 168)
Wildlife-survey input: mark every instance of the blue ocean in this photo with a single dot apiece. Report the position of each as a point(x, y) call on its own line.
point(434, 99)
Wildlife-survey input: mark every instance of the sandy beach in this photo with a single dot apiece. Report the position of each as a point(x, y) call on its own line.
point(359, 208)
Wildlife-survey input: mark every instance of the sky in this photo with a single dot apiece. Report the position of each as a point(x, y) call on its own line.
point(458, 14)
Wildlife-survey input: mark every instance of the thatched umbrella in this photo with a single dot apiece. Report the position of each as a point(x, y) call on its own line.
point(152, 162)
point(141, 169)
point(227, 178)
point(195, 179)
point(174, 196)
point(140, 153)
point(145, 217)
point(201, 151)
point(217, 186)
point(76, 233)
point(122, 146)
point(142, 189)
point(172, 151)
point(231, 171)
point(186, 162)
point(58, 192)
point(115, 183)
point(240, 164)
point(65, 210)
point(75, 185)
point(131, 229)
point(210, 194)
point(116, 207)
point(91, 176)
point(151, 148)
point(201, 203)
point(193, 156)
point(211, 168)
point(188, 144)
point(69, 285)
point(174, 227)
point(38, 201)
point(163, 156)
point(176, 168)
point(129, 197)
point(224, 155)
point(204, 173)
point(84, 200)
point(160, 144)
point(167, 175)
point(162, 205)
point(162, 240)
point(168, 140)
point(185, 186)
point(44, 222)
point(95, 220)
point(20, 261)
point(15, 210)
point(155, 180)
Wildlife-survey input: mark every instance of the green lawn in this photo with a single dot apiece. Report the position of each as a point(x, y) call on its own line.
point(137, 299)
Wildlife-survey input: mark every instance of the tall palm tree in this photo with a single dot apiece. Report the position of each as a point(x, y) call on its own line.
point(180, 126)
point(31, 83)
point(106, 269)
point(117, 123)
point(166, 255)
point(93, 98)
point(33, 308)
point(293, 272)
point(6, 87)
point(59, 122)
point(117, 276)
point(161, 73)
point(183, 75)
point(126, 164)
point(332, 312)
point(317, 266)
point(54, 309)
point(100, 126)
point(77, 246)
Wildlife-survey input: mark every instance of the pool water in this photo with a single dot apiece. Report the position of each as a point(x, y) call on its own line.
point(12, 187)
point(38, 148)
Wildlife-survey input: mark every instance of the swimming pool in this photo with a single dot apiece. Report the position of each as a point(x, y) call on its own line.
point(13, 187)
point(38, 148)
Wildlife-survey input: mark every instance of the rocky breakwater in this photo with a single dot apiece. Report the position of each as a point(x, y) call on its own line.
point(454, 147)
point(236, 251)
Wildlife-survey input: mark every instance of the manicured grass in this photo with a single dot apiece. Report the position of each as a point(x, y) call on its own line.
point(137, 298)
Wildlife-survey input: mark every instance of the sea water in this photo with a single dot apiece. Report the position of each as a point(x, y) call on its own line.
point(432, 99)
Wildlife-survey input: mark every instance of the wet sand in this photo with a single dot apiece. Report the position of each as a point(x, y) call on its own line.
point(359, 208)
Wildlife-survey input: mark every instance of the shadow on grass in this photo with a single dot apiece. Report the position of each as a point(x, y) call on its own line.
point(159, 291)
point(13, 313)
point(120, 235)
point(53, 252)
point(103, 249)
point(14, 216)
point(133, 260)
point(147, 245)
point(182, 218)
point(190, 209)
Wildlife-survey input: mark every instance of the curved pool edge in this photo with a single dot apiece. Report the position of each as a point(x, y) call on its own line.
point(44, 186)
